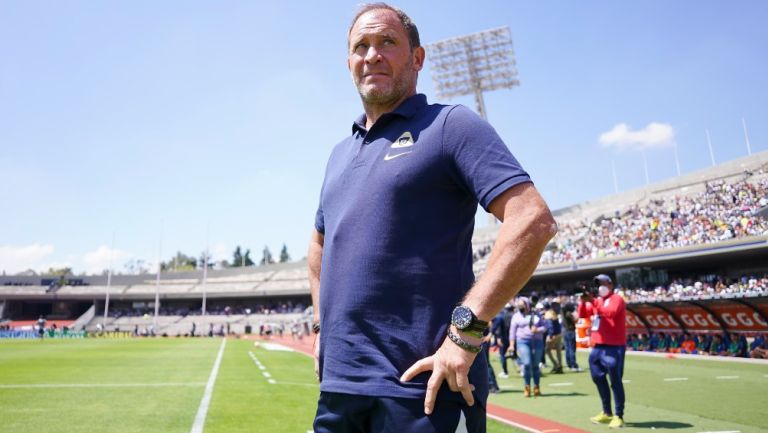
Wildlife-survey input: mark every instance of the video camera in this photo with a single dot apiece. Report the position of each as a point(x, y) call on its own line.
point(587, 288)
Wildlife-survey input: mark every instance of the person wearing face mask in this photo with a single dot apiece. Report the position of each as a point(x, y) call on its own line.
point(609, 341)
point(526, 337)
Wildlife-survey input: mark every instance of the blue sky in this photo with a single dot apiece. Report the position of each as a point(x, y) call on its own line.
point(127, 116)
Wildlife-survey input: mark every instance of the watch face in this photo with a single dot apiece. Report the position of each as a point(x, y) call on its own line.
point(462, 317)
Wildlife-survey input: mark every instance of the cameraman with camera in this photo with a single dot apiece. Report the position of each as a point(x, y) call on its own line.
point(609, 340)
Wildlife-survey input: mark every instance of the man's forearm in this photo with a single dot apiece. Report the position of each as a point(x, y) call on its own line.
point(314, 261)
point(526, 228)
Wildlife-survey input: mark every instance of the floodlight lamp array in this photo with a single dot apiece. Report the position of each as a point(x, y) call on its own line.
point(473, 63)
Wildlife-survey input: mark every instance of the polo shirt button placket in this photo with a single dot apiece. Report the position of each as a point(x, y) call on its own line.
point(360, 158)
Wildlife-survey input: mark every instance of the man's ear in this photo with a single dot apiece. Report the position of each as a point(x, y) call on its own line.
point(418, 58)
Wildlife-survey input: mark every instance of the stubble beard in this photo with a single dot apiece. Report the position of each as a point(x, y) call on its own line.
point(373, 96)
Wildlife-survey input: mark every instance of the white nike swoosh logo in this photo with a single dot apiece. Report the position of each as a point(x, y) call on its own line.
point(388, 157)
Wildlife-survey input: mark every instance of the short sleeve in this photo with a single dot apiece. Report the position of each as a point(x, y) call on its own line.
point(483, 163)
point(320, 219)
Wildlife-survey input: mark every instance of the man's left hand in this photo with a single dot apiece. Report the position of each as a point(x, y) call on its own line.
point(450, 363)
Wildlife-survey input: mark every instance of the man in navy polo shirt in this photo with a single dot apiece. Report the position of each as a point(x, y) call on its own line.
point(398, 313)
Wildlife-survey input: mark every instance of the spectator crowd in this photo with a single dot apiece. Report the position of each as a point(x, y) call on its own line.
point(724, 344)
point(679, 289)
point(684, 289)
point(722, 211)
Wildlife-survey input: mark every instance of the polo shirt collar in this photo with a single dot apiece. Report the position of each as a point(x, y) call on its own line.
point(407, 109)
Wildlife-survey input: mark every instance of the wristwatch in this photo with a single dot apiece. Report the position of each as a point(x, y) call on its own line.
point(465, 321)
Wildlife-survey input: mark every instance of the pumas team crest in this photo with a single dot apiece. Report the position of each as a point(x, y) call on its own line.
point(405, 140)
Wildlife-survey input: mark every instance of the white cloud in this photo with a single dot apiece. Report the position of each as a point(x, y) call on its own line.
point(96, 261)
point(654, 135)
point(15, 259)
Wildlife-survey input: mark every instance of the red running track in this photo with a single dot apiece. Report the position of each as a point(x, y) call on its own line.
point(501, 414)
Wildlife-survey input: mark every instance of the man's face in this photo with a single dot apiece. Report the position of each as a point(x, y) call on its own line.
point(384, 67)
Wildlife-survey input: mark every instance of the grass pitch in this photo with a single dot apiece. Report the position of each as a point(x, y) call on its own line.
point(662, 394)
point(156, 385)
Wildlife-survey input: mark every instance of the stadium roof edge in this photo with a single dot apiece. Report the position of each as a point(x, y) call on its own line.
point(746, 245)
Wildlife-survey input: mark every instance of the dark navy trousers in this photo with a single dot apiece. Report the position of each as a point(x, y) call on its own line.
point(345, 413)
point(569, 337)
point(608, 362)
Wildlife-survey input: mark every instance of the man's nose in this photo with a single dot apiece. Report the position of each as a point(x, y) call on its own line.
point(372, 55)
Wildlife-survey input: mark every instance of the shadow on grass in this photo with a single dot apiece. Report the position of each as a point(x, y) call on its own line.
point(659, 424)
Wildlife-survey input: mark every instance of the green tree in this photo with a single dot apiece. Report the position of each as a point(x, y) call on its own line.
point(61, 272)
point(239, 259)
point(248, 261)
point(266, 257)
point(284, 256)
point(179, 263)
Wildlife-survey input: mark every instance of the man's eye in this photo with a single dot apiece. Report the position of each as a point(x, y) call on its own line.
point(361, 46)
point(389, 42)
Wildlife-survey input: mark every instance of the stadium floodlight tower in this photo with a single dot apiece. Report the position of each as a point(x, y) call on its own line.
point(473, 64)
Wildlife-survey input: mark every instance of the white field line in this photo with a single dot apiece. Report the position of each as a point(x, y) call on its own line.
point(724, 431)
point(726, 377)
point(514, 424)
point(202, 411)
point(626, 381)
point(298, 383)
point(100, 385)
point(675, 379)
point(561, 384)
point(263, 369)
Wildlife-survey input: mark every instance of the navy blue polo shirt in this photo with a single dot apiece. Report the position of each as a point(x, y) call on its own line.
point(397, 209)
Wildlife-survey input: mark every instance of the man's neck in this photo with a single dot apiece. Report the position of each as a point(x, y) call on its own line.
point(374, 112)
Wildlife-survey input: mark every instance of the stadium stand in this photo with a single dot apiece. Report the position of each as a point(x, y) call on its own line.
point(694, 290)
point(722, 211)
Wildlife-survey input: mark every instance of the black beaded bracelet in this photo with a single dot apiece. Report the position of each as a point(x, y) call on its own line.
point(316, 328)
point(461, 343)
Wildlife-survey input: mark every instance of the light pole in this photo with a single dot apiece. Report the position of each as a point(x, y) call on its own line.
point(473, 64)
